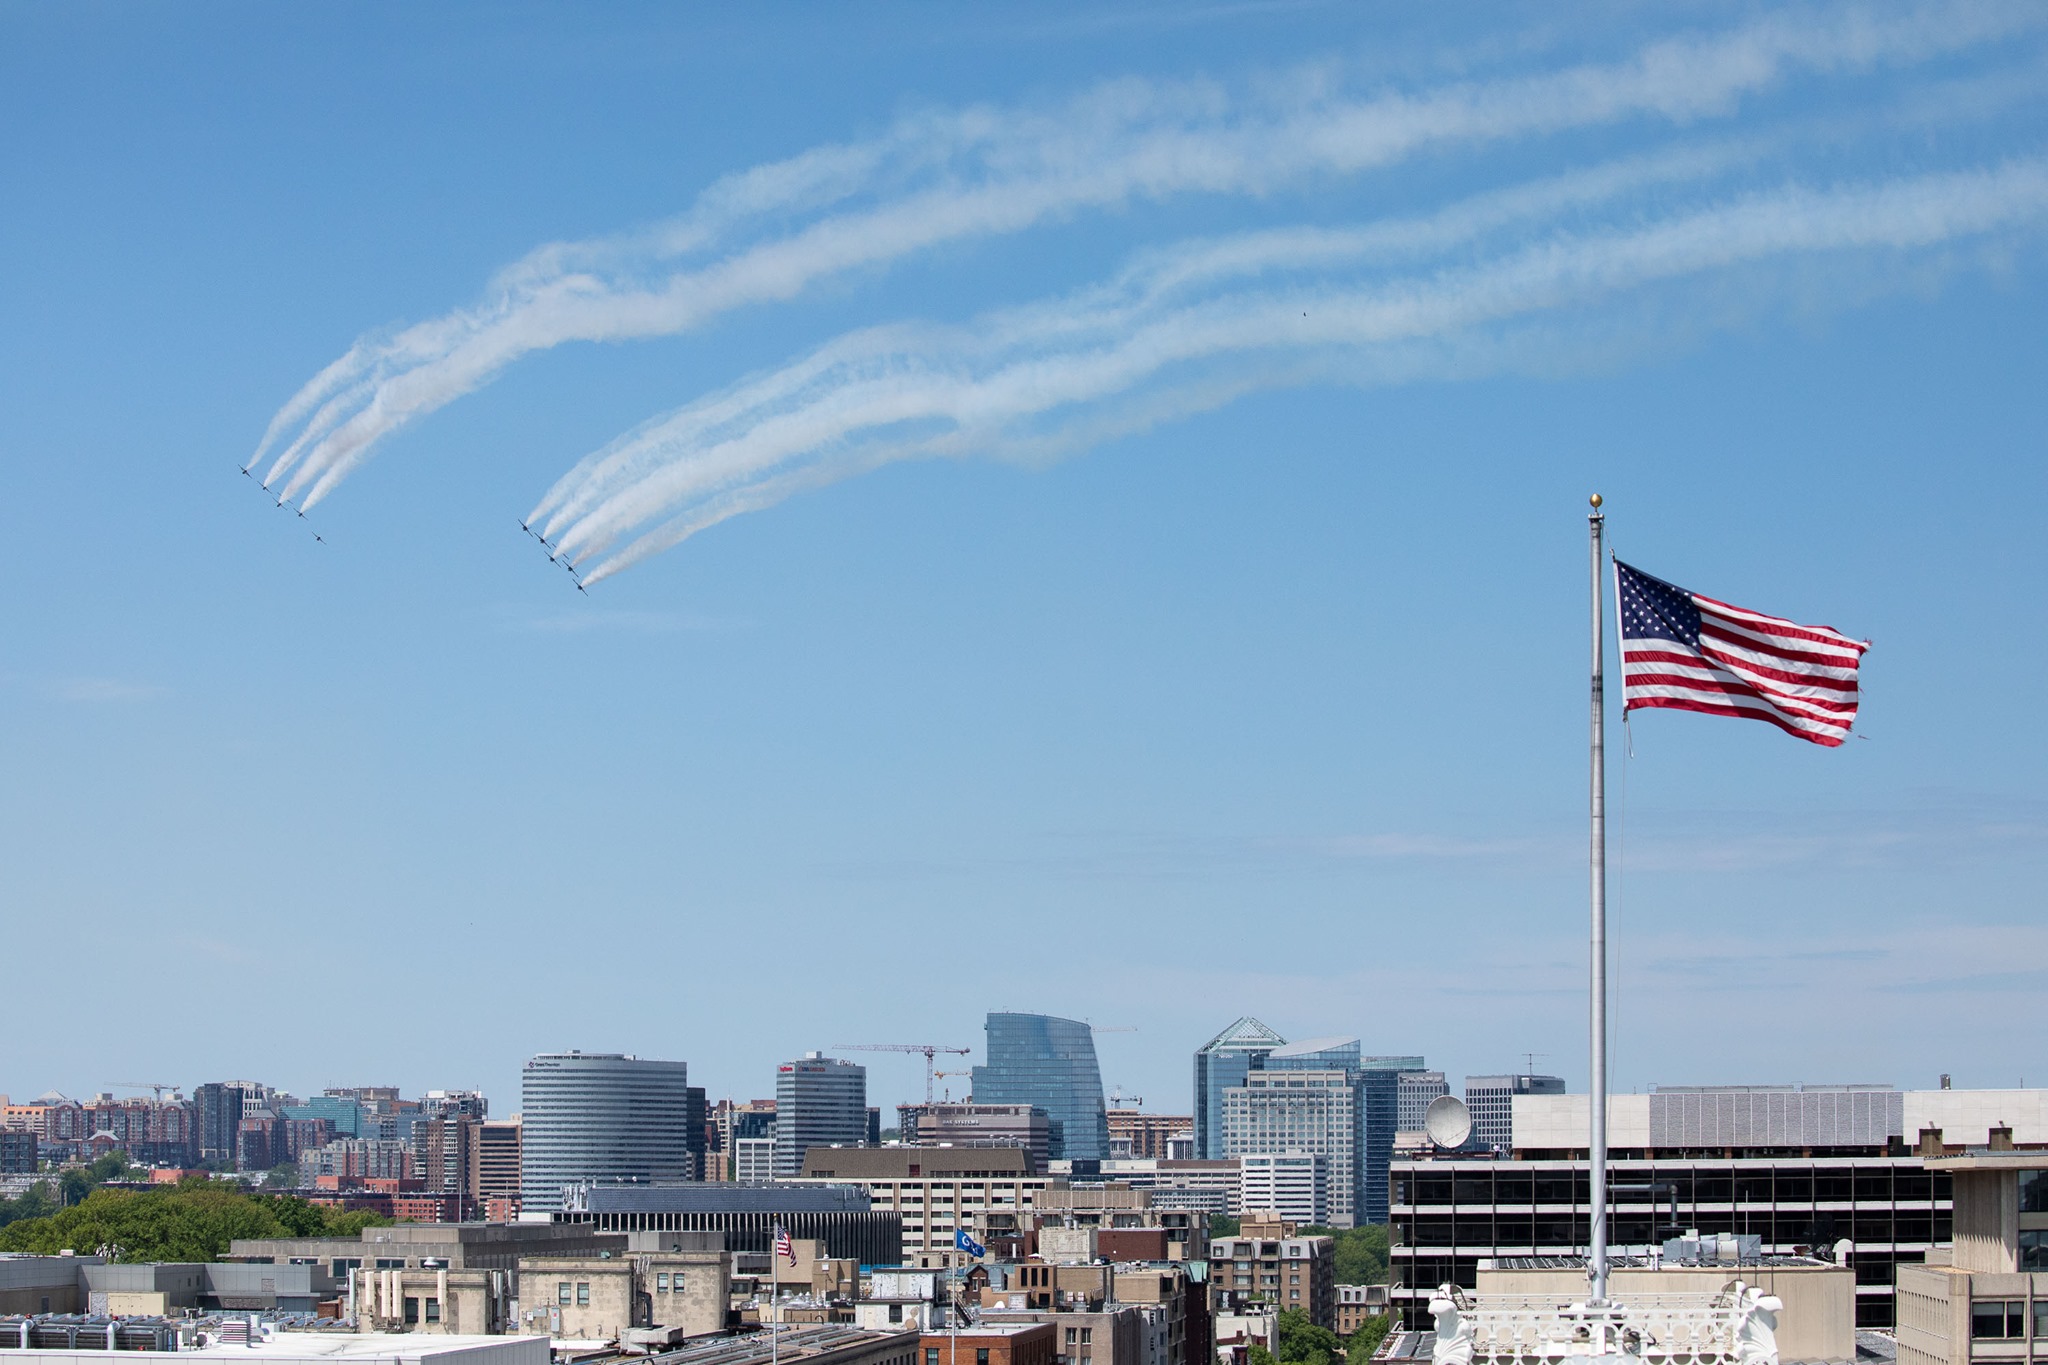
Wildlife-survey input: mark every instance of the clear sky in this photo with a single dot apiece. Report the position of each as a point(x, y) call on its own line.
point(1083, 510)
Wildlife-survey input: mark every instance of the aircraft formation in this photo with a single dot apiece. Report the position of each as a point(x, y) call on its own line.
point(553, 552)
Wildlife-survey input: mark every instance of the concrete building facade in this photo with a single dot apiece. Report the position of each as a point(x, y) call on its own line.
point(1293, 1185)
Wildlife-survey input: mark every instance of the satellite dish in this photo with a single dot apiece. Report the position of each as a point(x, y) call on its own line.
point(1447, 1121)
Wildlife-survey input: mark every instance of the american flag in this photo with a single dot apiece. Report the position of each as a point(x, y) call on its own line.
point(1691, 652)
point(782, 1244)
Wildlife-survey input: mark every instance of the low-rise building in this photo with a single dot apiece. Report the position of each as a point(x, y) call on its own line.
point(938, 1192)
point(1984, 1298)
point(1268, 1263)
point(602, 1298)
point(42, 1284)
point(1358, 1302)
point(1016, 1343)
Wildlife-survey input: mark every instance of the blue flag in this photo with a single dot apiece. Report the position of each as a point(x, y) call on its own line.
point(963, 1242)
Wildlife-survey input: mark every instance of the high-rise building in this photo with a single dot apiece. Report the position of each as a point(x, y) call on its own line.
point(220, 1119)
point(820, 1101)
point(1417, 1090)
point(498, 1164)
point(1285, 1111)
point(699, 1137)
point(1050, 1062)
point(1492, 1099)
point(598, 1116)
point(1379, 1081)
point(1347, 1113)
point(448, 1151)
point(1219, 1064)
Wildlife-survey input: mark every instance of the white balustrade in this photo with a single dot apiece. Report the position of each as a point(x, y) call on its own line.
point(1737, 1326)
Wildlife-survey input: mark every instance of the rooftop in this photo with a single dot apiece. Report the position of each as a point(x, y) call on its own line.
point(752, 1348)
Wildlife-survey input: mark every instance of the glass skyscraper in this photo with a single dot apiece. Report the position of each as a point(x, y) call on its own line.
point(1221, 1063)
point(1050, 1062)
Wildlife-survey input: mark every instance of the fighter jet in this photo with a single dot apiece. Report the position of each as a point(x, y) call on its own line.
point(585, 591)
point(322, 539)
point(245, 472)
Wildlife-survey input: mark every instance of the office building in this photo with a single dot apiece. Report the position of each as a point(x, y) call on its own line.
point(1984, 1298)
point(600, 1116)
point(1293, 1185)
point(1049, 1062)
point(1799, 1169)
point(699, 1136)
point(1417, 1090)
point(979, 1125)
point(1491, 1100)
point(1135, 1133)
point(837, 1214)
point(1220, 1064)
point(820, 1101)
point(987, 1192)
point(1211, 1187)
point(498, 1167)
point(1289, 1111)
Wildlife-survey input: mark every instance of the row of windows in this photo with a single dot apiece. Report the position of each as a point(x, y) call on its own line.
point(582, 1288)
point(1785, 1227)
point(2002, 1319)
point(664, 1283)
point(1825, 1185)
point(412, 1310)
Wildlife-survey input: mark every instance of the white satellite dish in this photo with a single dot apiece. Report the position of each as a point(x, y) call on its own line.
point(1447, 1121)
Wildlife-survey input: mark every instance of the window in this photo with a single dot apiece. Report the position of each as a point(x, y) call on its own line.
point(895, 1312)
point(412, 1311)
point(1995, 1319)
point(1087, 1335)
point(433, 1310)
point(2041, 1317)
point(675, 1282)
point(2033, 1249)
point(1071, 1336)
point(583, 1293)
point(387, 1263)
point(981, 1355)
point(661, 1282)
point(562, 1293)
point(931, 1355)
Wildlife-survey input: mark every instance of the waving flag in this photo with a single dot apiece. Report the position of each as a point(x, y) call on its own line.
point(782, 1244)
point(963, 1242)
point(1682, 650)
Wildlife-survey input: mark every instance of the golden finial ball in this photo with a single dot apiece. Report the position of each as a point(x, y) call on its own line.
point(1595, 499)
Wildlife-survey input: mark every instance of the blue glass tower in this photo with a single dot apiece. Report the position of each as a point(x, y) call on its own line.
point(1221, 1063)
point(1050, 1062)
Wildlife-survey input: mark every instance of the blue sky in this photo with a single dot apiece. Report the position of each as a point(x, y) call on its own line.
point(998, 599)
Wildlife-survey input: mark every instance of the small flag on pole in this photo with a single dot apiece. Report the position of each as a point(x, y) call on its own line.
point(963, 1242)
point(783, 1247)
point(1682, 650)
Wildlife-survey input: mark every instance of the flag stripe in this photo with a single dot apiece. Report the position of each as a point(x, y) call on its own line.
point(1785, 679)
point(1712, 629)
point(1733, 687)
point(1778, 625)
point(1722, 708)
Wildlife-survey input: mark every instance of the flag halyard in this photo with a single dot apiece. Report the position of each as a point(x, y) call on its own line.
point(1682, 650)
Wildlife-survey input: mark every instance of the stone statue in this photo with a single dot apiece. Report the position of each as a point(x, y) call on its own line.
point(1756, 1326)
point(1454, 1329)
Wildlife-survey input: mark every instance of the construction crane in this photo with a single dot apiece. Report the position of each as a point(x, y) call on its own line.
point(1094, 1027)
point(928, 1049)
point(158, 1086)
point(1117, 1097)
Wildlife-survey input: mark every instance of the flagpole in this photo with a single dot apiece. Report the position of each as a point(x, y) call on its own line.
point(1597, 1251)
point(774, 1293)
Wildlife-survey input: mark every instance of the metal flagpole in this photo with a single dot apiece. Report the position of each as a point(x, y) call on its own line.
point(774, 1293)
point(1597, 1252)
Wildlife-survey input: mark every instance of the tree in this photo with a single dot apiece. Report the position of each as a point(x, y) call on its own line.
point(283, 1176)
point(195, 1221)
point(1304, 1343)
point(1362, 1253)
point(1222, 1225)
point(1367, 1338)
point(1258, 1355)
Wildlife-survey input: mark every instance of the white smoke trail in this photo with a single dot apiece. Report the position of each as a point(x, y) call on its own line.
point(905, 393)
point(984, 172)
